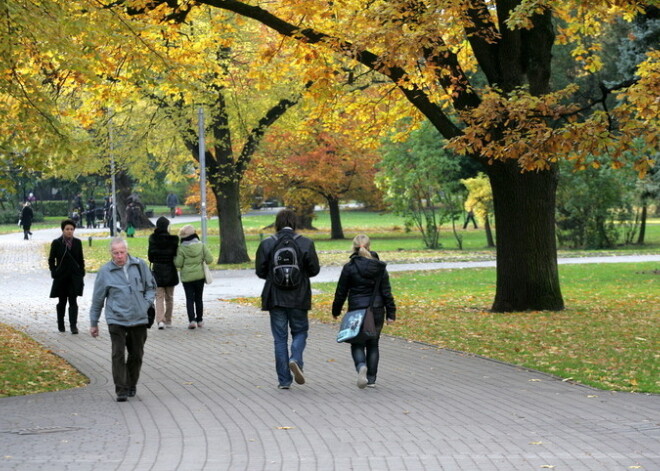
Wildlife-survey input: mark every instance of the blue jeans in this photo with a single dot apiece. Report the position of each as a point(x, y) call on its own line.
point(281, 320)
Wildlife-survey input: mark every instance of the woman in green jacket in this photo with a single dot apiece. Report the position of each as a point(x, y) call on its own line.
point(190, 258)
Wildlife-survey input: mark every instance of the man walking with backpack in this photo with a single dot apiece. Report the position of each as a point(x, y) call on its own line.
point(287, 261)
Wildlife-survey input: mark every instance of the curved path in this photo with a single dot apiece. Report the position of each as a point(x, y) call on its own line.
point(207, 400)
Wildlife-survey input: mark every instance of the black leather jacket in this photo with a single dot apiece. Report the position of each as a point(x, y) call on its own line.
point(357, 282)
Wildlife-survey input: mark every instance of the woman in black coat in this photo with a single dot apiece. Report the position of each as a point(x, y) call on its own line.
point(26, 220)
point(161, 253)
point(357, 282)
point(67, 268)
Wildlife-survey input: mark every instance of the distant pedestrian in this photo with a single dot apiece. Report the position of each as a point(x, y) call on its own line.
point(67, 269)
point(190, 257)
point(162, 251)
point(470, 218)
point(172, 201)
point(91, 213)
point(365, 277)
point(127, 289)
point(27, 215)
point(289, 299)
point(78, 204)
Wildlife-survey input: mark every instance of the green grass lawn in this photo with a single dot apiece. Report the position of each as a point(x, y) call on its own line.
point(608, 336)
point(26, 367)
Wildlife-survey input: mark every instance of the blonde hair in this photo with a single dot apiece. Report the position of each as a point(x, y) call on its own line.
point(361, 245)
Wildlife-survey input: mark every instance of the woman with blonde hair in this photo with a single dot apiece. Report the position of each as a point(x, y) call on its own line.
point(365, 277)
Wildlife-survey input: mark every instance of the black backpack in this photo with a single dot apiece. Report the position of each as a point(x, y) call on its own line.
point(286, 272)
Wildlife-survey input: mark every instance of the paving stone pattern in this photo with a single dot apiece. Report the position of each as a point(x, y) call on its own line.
point(207, 400)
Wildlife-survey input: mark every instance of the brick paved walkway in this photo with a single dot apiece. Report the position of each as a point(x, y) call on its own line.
point(208, 400)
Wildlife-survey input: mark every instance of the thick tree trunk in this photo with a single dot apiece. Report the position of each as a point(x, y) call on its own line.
point(305, 216)
point(233, 248)
point(642, 226)
point(527, 274)
point(336, 231)
point(123, 190)
point(489, 232)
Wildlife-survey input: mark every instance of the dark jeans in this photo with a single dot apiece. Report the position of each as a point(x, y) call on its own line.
point(126, 371)
point(194, 304)
point(73, 311)
point(367, 353)
point(281, 320)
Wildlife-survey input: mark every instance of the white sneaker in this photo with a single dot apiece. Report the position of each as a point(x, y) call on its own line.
point(362, 377)
point(192, 325)
point(200, 324)
point(161, 325)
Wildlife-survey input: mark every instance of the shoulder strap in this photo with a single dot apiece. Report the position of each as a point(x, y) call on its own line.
point(376, 288)
point(144, 283)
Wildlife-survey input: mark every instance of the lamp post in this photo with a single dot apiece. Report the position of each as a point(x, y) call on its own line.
point(202, 171)
point(113, 221)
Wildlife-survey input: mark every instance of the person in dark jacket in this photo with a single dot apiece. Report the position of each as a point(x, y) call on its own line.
point(161, 253)
point(67, 268)
point(288, 307)
point(27, 215)
point(357, 282)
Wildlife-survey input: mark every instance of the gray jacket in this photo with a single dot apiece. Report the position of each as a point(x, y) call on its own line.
point(126, 300)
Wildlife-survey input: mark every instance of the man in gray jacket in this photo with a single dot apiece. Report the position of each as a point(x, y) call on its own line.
point(127, 288)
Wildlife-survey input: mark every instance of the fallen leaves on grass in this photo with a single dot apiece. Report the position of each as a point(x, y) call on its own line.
point(28, 368)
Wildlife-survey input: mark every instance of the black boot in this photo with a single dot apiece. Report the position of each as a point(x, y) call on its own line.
point(73, 319)
point(60, 318)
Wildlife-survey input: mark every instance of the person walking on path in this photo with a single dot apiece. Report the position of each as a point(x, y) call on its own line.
point(365, 277)
point(127, 288)
point(172, 201)
point(162, 250)
point(27, 215)
point(67, 269)
point(190, 259)
point(470, 218)
point(287, 301)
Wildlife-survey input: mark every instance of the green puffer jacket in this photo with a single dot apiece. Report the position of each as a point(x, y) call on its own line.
point(189, 259)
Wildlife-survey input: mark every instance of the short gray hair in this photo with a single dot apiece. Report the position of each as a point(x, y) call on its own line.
point(118, 241)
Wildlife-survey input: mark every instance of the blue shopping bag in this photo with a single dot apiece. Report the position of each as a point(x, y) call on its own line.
point(351, 324)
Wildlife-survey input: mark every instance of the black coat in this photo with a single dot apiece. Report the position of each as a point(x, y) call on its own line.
point(298, 298)
point(161, 253)
point(67, 268)
point(357, 282)
point(26, 217)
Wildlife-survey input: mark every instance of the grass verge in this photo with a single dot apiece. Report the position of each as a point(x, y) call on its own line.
point(29, 368)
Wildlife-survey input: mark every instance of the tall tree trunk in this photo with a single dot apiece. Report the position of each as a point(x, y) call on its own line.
point(527, 274)
point(336, 231)
point(123, 189)
point(489, 232)
point(233, 248)
point(642, 225)
point(305, 216)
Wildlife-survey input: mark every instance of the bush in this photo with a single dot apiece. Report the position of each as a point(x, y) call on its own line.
point(11, 217)
point(54, 208)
